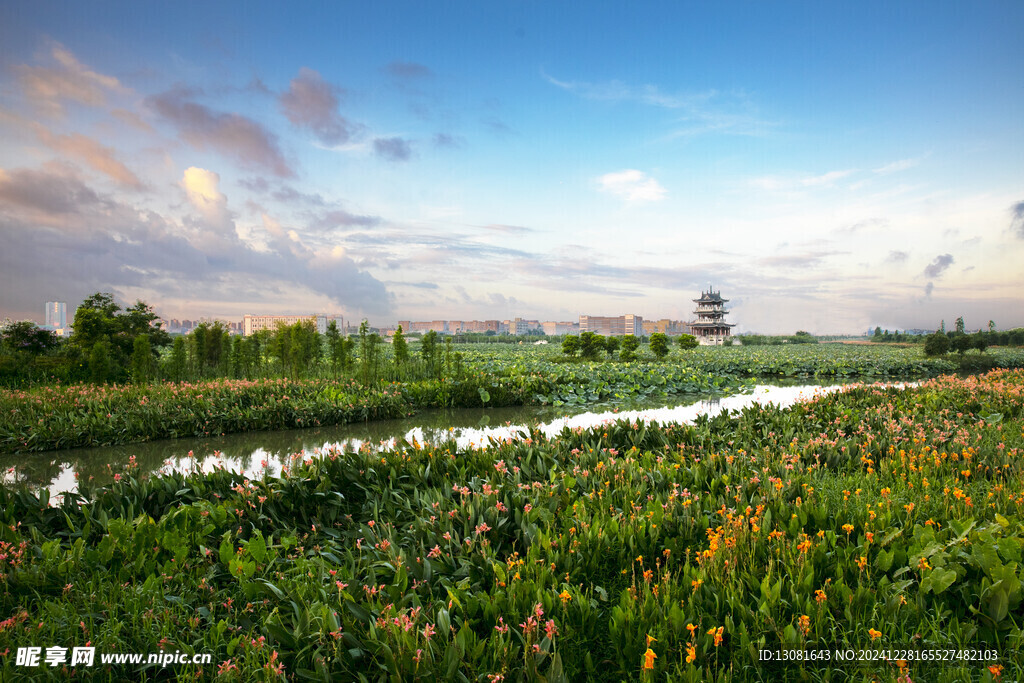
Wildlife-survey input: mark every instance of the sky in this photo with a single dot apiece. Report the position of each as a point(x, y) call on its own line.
point(828, 167)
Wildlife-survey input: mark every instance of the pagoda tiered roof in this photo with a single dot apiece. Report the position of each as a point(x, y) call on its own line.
point(710, 297)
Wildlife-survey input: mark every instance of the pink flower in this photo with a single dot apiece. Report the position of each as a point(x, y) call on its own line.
point(550, 629)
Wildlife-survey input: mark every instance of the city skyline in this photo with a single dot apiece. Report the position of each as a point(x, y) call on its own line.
point(828, 168)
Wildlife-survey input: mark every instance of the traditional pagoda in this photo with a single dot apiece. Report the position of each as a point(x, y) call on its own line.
point(710, 329)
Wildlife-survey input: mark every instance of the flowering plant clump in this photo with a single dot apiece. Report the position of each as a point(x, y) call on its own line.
point(874, 517)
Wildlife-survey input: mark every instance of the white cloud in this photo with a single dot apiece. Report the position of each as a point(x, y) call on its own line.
point(632, 186)
point(201, 186)
point(705, 112)
point(49, 86)
point(895, 166)
point(779, 183)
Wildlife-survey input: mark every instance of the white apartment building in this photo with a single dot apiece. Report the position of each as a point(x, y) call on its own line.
point(255, 323)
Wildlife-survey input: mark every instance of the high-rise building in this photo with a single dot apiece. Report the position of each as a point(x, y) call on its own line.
point(56, 314)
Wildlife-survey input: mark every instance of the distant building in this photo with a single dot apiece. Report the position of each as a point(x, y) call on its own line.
point(552, 328)
point(477, 326)
point(256, 323)
point(410, 326)
point(710, 329)
point(57, 317)
point(672, 328)
point(454, 326)
point(616, 326)
point(519, 326)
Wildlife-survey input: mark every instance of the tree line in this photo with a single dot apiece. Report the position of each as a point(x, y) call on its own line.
point(111, 344)
point(591, 346)
point(959, 340)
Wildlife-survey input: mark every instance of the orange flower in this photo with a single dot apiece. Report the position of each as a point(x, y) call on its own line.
point(875, 635)
point(805, 624)
point(717, 633)
point(692, 629)
point(820, 596)
point(996, 670)
point(691, 654)
point(649, 658)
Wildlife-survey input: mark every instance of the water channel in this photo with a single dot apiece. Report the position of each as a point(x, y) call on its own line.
point(252, 453)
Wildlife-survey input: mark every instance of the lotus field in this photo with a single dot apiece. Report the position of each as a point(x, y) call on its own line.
point(88, 415)
point(54, 417)
point(882, 521)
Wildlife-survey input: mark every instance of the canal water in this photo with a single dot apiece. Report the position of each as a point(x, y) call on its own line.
point(253, 453)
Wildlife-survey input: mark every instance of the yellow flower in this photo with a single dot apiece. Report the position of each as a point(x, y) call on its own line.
point(847, 528)
point(875, 635)
point(820, 596)
point(691, 654)
point(651, 639)
point(649, 658)
point(565, 596)
point(862, 562)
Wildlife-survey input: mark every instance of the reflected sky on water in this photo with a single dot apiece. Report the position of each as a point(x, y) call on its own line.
point(253, 452)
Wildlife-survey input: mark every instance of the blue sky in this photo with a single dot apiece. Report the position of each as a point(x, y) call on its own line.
point(828, 167)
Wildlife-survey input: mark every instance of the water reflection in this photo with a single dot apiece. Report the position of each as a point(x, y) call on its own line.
point(255, 452)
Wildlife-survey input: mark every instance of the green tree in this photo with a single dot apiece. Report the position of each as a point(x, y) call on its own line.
point(991, 326)
point(571, 345)
point(591, 345)
point(335, 347)
point(979, 340)
point(960, 325)
point(239, 367)
point(177, 364)
point(878, 332)
point(611, 345)
point(25, 336)
point(630, 344)
point(100, 369)
point(209, 349)
point(297, 347)
point(659, 345)
point(936, 344)
point(369, 353)
point(428, 351)
point(400, 347)
point(143, 361)
point(961, 343)
point(687, 341)
point(100, 319)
